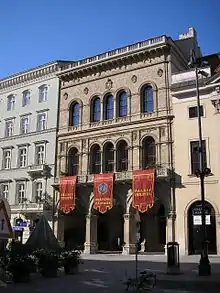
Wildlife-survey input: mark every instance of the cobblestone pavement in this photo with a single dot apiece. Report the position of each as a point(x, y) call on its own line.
point(105, 274)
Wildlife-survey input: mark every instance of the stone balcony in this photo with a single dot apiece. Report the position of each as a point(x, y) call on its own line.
point(119, 177)
point(27, 207)
point(38, 170)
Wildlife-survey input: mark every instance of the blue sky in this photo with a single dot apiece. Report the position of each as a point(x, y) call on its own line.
point(34, 32)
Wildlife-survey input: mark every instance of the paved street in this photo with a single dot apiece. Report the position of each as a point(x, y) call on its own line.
point(105, 273)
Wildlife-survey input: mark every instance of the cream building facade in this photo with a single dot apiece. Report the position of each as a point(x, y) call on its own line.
point(115, 115)
point(28, 128)
point(188, 194)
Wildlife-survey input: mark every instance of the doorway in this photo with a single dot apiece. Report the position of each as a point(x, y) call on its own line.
point(74, 230)
point(195, 231)
point(110, 229)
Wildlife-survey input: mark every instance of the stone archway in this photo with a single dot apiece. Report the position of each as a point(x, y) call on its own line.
point(153, 229)
point(194, 227)
point(110, 230)
point(75, 225)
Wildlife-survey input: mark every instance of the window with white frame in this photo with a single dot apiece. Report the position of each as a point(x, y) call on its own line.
point(42, 121)
point(22, 157)
point(40, 154)
point(7, 159)
point(10, 102)
point(9, 128)
point(5, 190)
point(43, 93)
point(21, 192)
point(26, 98)
point(39, 191)
point(24, 125)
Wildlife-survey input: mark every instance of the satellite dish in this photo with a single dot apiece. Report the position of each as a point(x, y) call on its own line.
point(7, 206)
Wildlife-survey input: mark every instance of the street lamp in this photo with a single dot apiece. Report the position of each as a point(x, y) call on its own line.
point(202, 172)
point(137, 222)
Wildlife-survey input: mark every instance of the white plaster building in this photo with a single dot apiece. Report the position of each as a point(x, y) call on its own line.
point(28, 123)
point(188, 193)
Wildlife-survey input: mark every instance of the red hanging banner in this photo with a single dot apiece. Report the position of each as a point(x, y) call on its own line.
point(143, 189)
point(103, 192)
point(67, 193)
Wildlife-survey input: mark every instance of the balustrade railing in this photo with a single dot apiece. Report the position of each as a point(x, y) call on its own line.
point(119, 176)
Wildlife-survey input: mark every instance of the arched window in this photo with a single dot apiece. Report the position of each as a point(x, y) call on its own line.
point(73, 162)
point(96, 110)
point(122, 104)
point(108, 157)
point(95, 159)
point(74, 114)
point(122, 156)
point(148, 100)
point(148, 153)
point(109, 107)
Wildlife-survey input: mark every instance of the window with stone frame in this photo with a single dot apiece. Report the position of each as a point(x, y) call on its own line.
point(21, 192)
point(9, 128)
point(26, 96)
point(122, 156)
point(122, 104)
point(148, 153)
point(4, 188)
point(95, 159)
point(24, 127)
point(108, 157)
point(73, 162)
point(10, 102)
point(7, 156)
point(38, 191)
point(40, 153)
point(96, 110)
point(74, 113)
point(109, 107)
point(22, 157)
point(43, 93)
point(147, 99)
point(195, 155)
point(42, 121)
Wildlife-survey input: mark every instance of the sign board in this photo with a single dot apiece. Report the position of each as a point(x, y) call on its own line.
point(17, 228)
point(5, 225)
point(197, 220)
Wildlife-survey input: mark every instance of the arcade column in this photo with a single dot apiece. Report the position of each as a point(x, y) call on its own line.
point(91, 234)
point(129, 234)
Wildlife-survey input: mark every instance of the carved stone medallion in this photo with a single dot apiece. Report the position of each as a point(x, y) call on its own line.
point(109, 84)
point(160, 72)
point(86, 91)
point(134, 78)
point(65, 96)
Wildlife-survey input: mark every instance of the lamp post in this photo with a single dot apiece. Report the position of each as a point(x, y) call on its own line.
point(202, 172)
point(137, 222)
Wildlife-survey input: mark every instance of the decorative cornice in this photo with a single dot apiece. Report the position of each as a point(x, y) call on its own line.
point(106, 127)
point(42, 132)
point(27, 144)
point(41, 71)
point(114, 58)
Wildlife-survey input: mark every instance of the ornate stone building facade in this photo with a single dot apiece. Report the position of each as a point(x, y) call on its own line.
point(115, 115)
